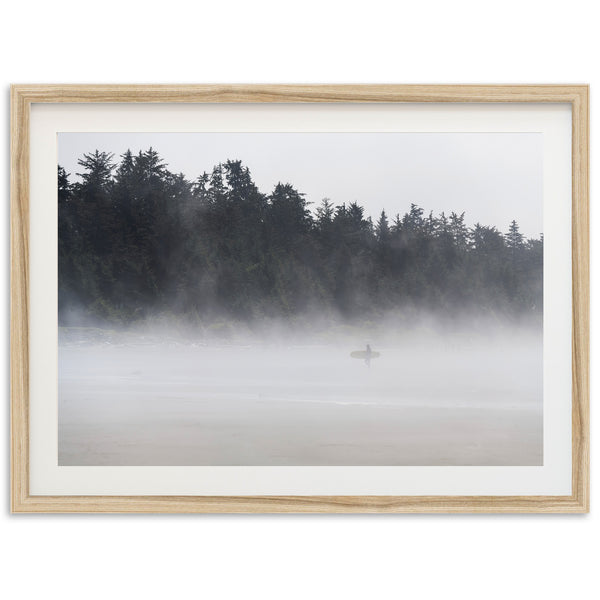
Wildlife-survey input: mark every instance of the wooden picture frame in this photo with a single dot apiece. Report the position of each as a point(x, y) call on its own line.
point(22, 98)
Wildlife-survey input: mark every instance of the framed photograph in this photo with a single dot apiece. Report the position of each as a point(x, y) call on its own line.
point(299, 298)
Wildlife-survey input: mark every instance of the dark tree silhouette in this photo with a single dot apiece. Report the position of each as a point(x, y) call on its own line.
point(136, 239)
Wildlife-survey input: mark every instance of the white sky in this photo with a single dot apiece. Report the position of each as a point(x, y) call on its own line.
point(493, 177)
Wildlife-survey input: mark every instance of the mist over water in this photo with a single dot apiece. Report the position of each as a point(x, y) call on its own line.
point(461, 395)
point(208, 321)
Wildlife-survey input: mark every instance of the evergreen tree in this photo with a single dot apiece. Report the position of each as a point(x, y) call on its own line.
point(514, 238)
point(136, 239)
point(382, 229)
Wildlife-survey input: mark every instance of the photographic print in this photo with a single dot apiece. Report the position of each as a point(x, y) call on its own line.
point(300, 299)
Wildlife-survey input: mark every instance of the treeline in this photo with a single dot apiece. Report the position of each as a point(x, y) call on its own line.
point(137, 240)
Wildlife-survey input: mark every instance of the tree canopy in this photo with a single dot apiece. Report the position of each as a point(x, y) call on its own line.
point(136, 240)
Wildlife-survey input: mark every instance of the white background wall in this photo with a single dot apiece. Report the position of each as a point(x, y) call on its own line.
point(514, 41)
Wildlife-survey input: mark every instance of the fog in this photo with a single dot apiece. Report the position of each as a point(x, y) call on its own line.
point(468, 394)
point(210, 318)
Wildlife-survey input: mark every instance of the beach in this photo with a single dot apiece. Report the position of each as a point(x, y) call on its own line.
point(193, 404)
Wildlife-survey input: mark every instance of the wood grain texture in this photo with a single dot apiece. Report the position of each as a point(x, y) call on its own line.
point(298, 93)
point(580, 241)
point(300, 504)
point(21, 98)
point(19, 299)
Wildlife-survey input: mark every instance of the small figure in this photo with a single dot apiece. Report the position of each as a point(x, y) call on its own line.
point(368, 355)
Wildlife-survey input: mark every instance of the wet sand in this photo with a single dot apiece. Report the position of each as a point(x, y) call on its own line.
point(176, 404)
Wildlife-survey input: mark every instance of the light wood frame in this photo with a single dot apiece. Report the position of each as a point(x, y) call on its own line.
point(22, 96)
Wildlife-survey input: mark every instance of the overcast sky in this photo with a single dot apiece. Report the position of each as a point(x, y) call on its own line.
point(493, 177)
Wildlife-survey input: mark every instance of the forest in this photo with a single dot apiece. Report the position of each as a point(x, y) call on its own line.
point(136, 240)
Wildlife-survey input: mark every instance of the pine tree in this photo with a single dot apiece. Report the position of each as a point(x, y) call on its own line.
point(136, 239)
point(382, 229)
point(514, 238)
